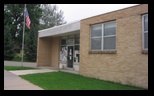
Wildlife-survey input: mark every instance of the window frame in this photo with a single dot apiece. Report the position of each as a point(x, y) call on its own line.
point(143, 32)
point(102, 37)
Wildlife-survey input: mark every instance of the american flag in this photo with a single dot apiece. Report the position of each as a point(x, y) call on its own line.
point(27, 18)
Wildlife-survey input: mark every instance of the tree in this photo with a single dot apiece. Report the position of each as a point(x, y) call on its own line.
point(14, 19)
point(8, 44)
point(31, 46)
point(8, 37)
point(51, 16)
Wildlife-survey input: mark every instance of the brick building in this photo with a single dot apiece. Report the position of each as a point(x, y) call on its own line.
point(111, 46)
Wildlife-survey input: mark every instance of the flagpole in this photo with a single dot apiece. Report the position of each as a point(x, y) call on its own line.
point(23, 36)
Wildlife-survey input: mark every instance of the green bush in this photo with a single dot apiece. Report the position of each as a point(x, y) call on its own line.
point(19, 55)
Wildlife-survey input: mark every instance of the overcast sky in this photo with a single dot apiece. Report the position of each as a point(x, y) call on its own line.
point(74, 12)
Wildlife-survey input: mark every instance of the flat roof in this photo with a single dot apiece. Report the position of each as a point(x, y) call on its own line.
point(61, 29)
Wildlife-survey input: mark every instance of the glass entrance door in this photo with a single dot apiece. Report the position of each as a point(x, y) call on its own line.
point(70, 57)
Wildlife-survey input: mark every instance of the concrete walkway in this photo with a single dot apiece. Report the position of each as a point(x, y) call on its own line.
point(14, 82)
point(69, 71)
point(24, 72)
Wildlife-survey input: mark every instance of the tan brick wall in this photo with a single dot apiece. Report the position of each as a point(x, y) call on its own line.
point(55, 52)
point(128, 65)
point(44, 52)
point(48, 51)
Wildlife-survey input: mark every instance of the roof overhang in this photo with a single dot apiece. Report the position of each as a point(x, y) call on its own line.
point(62, 29)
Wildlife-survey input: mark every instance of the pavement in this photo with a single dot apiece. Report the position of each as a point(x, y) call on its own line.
point(13, 82)
point(70, 71)
point(24, 72)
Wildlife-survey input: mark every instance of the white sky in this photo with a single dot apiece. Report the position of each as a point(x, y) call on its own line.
point(74, 12)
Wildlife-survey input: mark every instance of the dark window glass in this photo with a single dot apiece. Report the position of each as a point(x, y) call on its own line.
point(76, 47)
point(63, 42)
point(77, 39)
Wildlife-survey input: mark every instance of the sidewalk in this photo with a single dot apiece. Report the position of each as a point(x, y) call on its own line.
point(24, 72)
point(13, 82)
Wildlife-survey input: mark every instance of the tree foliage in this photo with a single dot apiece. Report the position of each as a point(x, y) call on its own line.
point(8, 44)
point(14, 19)
point(51, 16)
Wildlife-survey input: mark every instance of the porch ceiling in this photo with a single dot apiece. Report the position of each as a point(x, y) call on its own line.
point(59, 30)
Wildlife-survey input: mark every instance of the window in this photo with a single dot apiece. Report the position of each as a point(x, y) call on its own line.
point(71, 40)
point(103, 36)
point(76, 47)
point(63, 53)
point(145, 31)
point(63, 49)
point(77, 39)
point(64, 41)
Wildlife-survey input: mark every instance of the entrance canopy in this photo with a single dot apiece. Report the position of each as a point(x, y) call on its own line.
point(62, 29)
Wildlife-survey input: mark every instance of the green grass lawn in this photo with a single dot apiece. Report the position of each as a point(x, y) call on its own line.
point(17, 68)
point(68, 81)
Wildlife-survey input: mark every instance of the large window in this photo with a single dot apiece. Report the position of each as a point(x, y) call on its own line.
point(103, 36)
point(145, 31)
